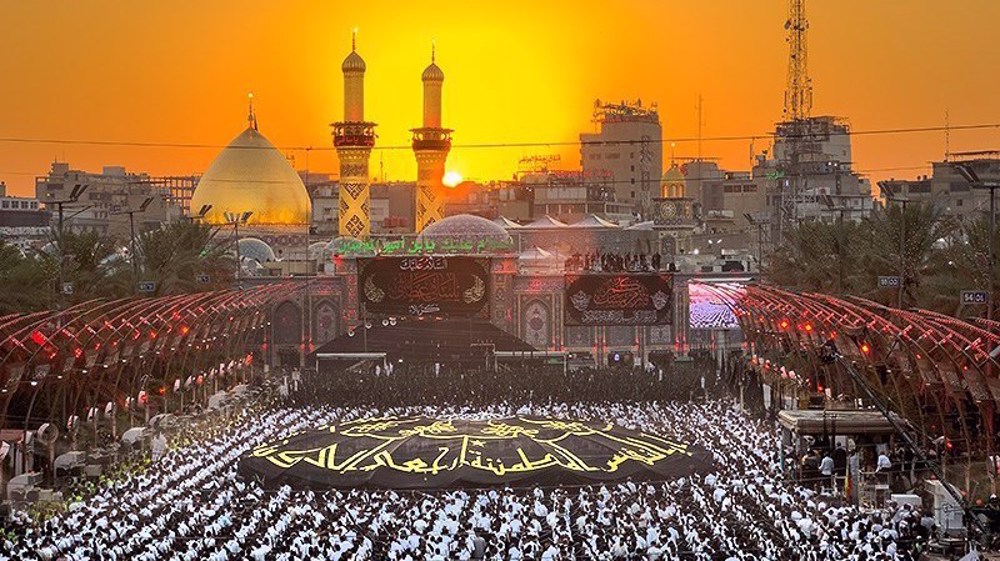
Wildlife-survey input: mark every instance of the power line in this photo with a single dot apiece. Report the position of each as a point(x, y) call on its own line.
point(32, 173)
point(495, 145)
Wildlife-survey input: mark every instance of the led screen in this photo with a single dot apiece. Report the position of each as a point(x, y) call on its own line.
point(709, 308)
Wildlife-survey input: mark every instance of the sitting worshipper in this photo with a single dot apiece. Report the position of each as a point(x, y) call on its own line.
point(158, 446)
point(190, 505)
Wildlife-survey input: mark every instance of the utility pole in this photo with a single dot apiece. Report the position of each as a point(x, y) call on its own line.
point(841, 239)
point(74, 196)
point(902, 200)
point(967, 172)
point(234, 219)
point(760, 224)
point(902, 253)
point(972, 178)
point(131, 225)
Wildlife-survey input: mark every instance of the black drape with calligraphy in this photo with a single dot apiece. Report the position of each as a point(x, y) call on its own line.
point(427, 453)
point(619, 299)
point(433, 285)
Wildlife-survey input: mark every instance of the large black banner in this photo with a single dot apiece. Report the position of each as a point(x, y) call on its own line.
point(619, 299)
point(428, 453)
point(425, 285)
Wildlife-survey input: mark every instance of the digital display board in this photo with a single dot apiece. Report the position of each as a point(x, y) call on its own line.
point(710, 307)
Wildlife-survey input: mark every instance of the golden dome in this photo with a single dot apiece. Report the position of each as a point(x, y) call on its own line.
point(673, 183)
point(433, 73)
point(252, 175)
point(353, 63)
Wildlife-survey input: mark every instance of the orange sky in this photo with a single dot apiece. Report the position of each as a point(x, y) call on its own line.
point(517, 71)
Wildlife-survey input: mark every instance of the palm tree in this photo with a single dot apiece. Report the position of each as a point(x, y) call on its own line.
point(971, 261)
point(848, 258)
point(27, 282)
point(93, 262)
point(920, 259)
point(817, 256)
point(179, 255)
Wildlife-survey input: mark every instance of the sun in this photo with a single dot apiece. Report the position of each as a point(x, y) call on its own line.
point(451, 179)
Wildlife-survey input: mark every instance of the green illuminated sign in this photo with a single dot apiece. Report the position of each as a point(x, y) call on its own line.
point(414, 246)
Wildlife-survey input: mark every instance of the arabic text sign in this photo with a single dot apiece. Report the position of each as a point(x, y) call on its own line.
point(619, 299)
point(424, 285)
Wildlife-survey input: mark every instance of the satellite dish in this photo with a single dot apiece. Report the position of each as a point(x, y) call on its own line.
point(47, 433)
point(133, 435)
point(162, 421)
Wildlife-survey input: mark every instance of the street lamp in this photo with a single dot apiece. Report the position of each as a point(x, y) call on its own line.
point(131, 226)
point(74, 196)
point(201, 213)
point(972, 178)
point(753, 221)
point(890, 196)
point(235, 219)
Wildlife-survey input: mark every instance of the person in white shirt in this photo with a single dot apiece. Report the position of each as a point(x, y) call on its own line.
point(884, 463)
point(826, 466)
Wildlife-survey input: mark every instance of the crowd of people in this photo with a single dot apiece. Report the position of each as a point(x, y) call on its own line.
point(415, 384)
point(191, 505)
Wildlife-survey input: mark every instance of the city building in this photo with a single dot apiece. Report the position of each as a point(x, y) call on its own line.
point(571, 195)
point(23, 220)
point(102, 207)
point(516, 201)
point(391, 204)
point(703, 180)
point(813, 174)
point(742, 196)
point(629, 147)
point(322, 189)
point(472, 197)
point(947, 188)
point(393, 207)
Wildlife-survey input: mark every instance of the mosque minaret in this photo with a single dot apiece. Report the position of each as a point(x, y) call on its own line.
point(431, 144)
point(354, 139)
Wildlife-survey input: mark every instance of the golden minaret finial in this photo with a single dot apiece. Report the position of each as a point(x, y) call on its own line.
point(251, 116)
point(354, 39)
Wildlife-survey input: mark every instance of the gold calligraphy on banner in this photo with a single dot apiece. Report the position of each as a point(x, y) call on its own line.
point(424, 446)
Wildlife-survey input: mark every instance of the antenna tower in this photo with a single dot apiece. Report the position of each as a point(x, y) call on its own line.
point(798, 91)
point(796, 114)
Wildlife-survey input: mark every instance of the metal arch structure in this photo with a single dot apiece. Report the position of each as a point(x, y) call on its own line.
point(103, 355)
point(939, 372)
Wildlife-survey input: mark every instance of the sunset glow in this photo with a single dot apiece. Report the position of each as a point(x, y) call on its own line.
point(452, 179)
point(189, 84)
